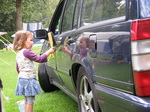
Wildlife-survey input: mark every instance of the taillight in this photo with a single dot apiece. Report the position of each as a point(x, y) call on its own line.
point(142, 82)
point(140, 29)
point(140, 36)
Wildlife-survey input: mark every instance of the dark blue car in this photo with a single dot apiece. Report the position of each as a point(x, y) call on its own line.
point(102, 57)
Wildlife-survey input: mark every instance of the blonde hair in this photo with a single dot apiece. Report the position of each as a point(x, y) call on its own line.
point(20, 39)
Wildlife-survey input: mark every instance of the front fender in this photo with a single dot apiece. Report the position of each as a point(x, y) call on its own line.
point(85, 63)
point(88, 68)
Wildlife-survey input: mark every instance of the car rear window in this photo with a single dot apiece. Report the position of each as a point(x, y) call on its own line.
point(145, 8)
point(99, 10)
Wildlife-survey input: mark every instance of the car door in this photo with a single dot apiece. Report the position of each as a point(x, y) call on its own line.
point(64, 62)
point(110, 59)
point(56, 39)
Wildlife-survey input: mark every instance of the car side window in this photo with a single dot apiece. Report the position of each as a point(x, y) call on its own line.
point(76, 15)
point(145, 8)
point(68, 15)
point(99, 10)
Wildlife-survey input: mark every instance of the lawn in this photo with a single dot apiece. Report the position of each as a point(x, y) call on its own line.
point(56, 101)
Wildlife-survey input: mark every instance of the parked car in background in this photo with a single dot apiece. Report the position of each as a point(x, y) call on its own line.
point(102, 57)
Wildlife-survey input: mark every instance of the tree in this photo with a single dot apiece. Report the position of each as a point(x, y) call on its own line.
point(39, 11)
point(18, 15)
point(7, 15)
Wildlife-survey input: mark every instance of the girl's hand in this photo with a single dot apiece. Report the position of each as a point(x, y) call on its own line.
point(51, 50)
point(66, 50)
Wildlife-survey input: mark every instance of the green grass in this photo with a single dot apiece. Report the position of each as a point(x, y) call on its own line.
point(56, 101)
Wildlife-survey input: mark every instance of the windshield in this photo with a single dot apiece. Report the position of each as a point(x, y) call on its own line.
point(145, 8)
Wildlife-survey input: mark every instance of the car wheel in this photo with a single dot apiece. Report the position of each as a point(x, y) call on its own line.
point(44, 79)
point(86, 97)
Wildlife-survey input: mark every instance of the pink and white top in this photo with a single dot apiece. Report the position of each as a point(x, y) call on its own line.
point(24, 63)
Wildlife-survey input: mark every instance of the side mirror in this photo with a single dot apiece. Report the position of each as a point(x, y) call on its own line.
point(40, 34)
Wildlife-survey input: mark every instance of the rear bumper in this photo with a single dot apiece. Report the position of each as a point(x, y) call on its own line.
point(110, 99)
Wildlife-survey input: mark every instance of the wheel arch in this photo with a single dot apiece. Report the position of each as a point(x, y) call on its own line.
point(75, 68)
point(44, 79)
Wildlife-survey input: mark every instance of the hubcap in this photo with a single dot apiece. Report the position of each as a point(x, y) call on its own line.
point(86, 96)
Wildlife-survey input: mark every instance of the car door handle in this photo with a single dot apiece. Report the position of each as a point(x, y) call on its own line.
point(58, 40)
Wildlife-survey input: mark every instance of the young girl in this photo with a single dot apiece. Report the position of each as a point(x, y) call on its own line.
point(27, 85)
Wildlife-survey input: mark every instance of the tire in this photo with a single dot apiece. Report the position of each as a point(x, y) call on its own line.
point(44, 79)
point(86, 96)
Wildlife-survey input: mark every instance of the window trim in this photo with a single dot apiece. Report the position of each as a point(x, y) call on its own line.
point(52, 26)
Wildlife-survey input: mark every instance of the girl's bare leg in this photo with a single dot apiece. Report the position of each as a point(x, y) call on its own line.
point(25, 106)
point(29, 107)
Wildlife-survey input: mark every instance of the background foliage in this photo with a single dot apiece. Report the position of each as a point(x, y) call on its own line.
point(33, 11)
point(7, 15)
